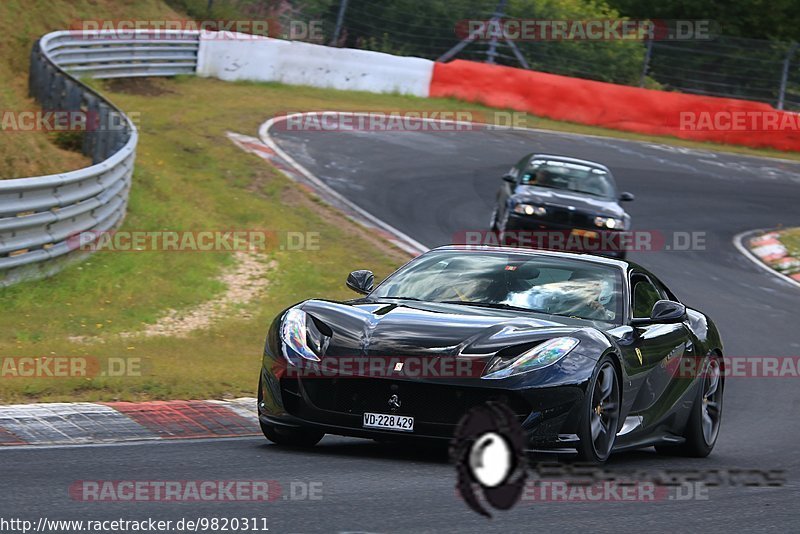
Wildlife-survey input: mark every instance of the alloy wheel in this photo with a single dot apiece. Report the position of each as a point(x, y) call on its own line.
point(712, 401)
point(605, 410)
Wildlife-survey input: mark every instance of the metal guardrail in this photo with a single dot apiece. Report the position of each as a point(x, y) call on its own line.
point(41, 217)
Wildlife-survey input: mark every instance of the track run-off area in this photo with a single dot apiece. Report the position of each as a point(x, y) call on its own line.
point(432, 186)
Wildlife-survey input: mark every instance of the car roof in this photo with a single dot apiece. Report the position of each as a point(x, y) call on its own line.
point(567, 159)
point(613, 262)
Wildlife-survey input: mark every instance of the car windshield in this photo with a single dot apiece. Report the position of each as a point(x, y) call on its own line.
point(569, 177)
point(543, 284)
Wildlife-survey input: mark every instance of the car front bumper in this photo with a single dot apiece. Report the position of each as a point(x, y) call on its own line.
point(549, 415)
point(536, 232)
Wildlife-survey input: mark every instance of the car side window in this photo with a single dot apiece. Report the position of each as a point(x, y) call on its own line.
point(519, 168)
point(528, 171)
point(643, 295)
point(666, 294)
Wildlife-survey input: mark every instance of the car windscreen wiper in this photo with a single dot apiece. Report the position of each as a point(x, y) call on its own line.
point(543, 186)
point(403, 298)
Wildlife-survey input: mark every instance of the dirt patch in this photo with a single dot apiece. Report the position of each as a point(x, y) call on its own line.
point(290, 196)
point(139, 86)
point(244, 282)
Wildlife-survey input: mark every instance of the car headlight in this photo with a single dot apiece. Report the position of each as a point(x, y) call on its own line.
point(539, 356)
point(609, 222)
point(529, 209)
point(294, 337)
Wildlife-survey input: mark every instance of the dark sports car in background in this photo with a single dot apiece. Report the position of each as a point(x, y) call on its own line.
point(591, 354)
point(563, 196)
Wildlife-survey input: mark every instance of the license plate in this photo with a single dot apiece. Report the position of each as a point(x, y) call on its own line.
point(585, 233)
point(401, 423)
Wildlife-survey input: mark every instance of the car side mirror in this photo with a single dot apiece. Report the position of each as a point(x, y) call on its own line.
point(668, 311)
point(361, 281)
point(510, 179)
point(626, 197)
point(665, 312)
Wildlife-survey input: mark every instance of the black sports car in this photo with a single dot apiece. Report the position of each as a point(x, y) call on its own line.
point(558, 198)
point(591, 354)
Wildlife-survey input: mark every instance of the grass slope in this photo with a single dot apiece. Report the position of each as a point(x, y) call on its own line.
point(22, 22)
point(189, 177)
point(791, 240)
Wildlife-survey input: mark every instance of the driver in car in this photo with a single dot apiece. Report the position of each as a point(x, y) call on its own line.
point(582, 296)
point(596, 295)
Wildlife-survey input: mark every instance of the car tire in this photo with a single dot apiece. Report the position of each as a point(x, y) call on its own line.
point(291, 437)
point(600, 413)
point(699, 438)
point(505, 238)
point(288, 436)
point(493, 219)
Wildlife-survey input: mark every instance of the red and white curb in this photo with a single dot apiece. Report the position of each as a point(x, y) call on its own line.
point(765, 250)
point(84, 422)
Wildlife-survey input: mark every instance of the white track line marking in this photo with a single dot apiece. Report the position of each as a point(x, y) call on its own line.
point(412, 245)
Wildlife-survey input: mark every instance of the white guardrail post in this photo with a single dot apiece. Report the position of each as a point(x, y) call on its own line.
point(41, 217)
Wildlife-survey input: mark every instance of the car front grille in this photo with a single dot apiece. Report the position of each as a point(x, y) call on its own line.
point(436, 403)
point(567, 217)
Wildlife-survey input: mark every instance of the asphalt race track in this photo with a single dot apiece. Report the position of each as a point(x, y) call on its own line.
point(431, 186)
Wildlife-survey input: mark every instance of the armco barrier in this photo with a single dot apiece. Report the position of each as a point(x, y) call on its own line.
point(297, 63)
point(603, 104)
point(38, 215)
